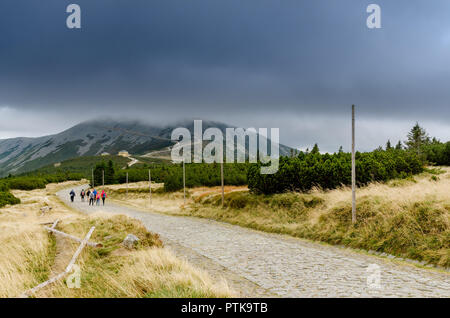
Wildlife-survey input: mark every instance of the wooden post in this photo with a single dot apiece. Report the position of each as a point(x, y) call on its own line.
point(68, 269)
point(55, 231)
point(221, 177)
point(127, 184)
point(54, 224)
point(93, 177)
point(150, 185)
point(103, 178)
point(80, 248)
point(353, 168)
point(184, 183)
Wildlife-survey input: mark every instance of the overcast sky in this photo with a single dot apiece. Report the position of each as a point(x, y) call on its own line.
point(293, 64)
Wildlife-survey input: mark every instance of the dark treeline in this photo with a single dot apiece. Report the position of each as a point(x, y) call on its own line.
point(38, 181)
point(6, 197)
point(437, 153)
point(430, 150)
point(30, 182)
point(329, 171)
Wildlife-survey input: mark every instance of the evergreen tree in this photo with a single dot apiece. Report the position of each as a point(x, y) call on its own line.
point(98, 173)
point(399, 146)
point(388, 145)
point(315, 149)
point(417, 137)
point(446, 154)
point(435, 141)
point(110, 173)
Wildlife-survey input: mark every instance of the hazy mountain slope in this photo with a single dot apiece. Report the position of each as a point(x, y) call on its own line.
point(89, 139)
point(85, 139)
point(165, 153)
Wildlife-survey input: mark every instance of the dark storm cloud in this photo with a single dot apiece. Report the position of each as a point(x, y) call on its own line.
point(236, 60)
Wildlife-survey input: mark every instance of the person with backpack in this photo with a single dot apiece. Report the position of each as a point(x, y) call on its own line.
point(82, 194)
point(103, 195)
point(98, 198)
point(72, 195)
point(91, 198)
point(88, 194)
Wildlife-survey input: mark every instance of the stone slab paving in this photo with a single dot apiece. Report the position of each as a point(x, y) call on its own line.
point(285, 266)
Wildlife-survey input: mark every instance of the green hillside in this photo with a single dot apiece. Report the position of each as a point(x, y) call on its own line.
point(82, 165)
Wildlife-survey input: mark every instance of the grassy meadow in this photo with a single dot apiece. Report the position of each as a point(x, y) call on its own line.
point(30, 255)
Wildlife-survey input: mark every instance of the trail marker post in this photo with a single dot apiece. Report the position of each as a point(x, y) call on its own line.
point(353, 168)
point(127, 184)
point(150, 185)
point(221, 177)
point(184, 183)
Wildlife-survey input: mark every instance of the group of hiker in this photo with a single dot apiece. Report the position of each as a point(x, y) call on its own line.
point(92, 195)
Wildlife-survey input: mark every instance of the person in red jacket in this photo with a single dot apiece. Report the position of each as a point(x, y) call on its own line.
point(103, 195)
point(98, 198)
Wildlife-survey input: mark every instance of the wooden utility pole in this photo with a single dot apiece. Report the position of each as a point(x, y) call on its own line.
point(184, 183)
point(221, 177)
point(353, 168)
point(150, 185)
point(127, 184)
point(92, 170)
point(103, 178)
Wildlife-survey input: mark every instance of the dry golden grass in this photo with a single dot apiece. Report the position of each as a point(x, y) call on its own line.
point(29, 255)
point(201, 193)
point(165, 203)
point(143, 185)
point(159, 273)
point(139, 198)
point(396, 193)
point(23, 257)
point(148, 271)
point(154, 272)
point(26, 250)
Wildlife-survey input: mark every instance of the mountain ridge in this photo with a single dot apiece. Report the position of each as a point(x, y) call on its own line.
point(91, 138)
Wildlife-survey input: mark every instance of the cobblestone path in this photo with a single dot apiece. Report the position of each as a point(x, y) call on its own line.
point(263, 264)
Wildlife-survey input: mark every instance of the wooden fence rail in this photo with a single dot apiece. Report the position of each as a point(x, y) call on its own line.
point(51, 229)
point(68, 269)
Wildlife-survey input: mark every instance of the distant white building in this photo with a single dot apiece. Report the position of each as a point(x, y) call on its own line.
point(105, 153)
point(124, 153)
